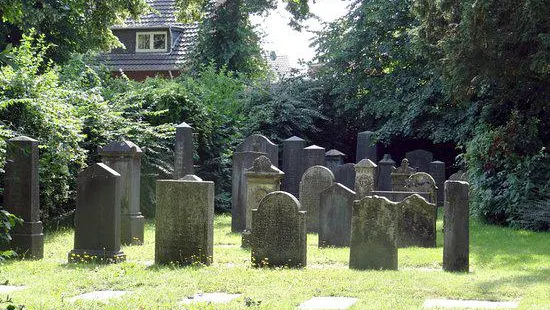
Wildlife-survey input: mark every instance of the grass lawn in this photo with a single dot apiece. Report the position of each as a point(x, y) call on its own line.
point(505, 265)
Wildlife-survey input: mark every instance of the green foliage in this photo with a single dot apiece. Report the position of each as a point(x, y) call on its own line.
point(7, 222)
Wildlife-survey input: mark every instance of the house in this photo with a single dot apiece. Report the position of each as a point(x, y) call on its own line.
point(154, 45)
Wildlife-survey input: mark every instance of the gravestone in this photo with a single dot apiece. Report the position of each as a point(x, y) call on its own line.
point(97, 216)
point(417, 223)
point(335, 216)
point(334, 159)
point(262, 179)
point(424, 183)
point(385, 168)
point(437, 171)
point(400, 175)
point(292, 164)
point(280, 238)
point(241, 161)
point(183, 152)
point(260, 143)
point(365, 178)
point(345, 174)
point(374, 231)
point(125, 158)
point(459, 176)
point(184, 221)
point(456, 245)
point(420, 159)
point(315, 180)
point(22, 197)
point(366, 149)
point(313, 156)
point(400, 196)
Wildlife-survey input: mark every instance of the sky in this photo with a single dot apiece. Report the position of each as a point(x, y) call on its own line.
point(285, 41)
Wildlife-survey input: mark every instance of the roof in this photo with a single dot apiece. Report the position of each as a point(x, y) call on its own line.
point(164, 15)
point(279, 64)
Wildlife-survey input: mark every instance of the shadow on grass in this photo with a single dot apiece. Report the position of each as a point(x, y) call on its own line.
point(533, 277)
point(77, 266)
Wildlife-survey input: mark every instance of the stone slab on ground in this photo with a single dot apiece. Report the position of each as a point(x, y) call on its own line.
point(11, 288)
point(102, 296)
point(328, 303)
point(215, 298)
point(469, 304)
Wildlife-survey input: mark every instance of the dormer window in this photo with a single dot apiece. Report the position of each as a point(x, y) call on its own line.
point(151, 41)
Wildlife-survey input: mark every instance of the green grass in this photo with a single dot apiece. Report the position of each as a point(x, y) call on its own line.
point(505, 265)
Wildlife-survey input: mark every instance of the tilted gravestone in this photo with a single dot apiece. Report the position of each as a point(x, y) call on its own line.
point(313, 156)
point(334, 159)
point(125, 158)
point(400, 175)
point(456, 244)
point(374, 232)
point(292, 164)
point(366, 149)
point(97, 216)
point(183, 152)
point(260, 143)
point(345, 174)
point(385, 168)
point(184, 221)
point(423, 183)
point(279, 238)
point(420, 159)
point(241, 161)
point(262, 179)
point(417, 223)
point(365, 178)
point(315, 180)
point(437, 171)
point(21, 196)
point(335, 216)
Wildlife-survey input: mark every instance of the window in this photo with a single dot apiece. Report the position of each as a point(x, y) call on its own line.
point(151, 41)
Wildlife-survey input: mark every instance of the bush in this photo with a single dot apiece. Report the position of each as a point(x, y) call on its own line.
point(7, 222)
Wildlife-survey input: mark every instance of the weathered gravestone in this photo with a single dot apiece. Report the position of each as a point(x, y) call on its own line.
point(366, 148)
point(400, 175)
point(437, 171)
point(184, 221)
point(417, 223)
point(183, 152)
point(315, 180)
point(335, 216)
point(313, 156)
point(292, 164)
point(374, 233)
point(21, 196)
point(260, 143)
point(420, 159)
point(262, 179)
point(459, 176)
point(241, 161)
point(345, 174)
point(456, 244)
point(385, 168)
point(365, 178)
point(125, 158)
point(423, 183)
point(279, 227)
point(97, 216)
point(334, 159)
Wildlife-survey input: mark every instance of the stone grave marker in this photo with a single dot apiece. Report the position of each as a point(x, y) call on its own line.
point(366, 149)
point(400, 175)
point(125, 158)
point(22, 197)
point(335, 216)
point(315, 180)
point(385, 168)
point(184, 221)
point(334, 159)
point(260, 143)
point(365, 178)
point(97, 216)
point(437, 171)
point(292, 164)
point(102, 296)
point(345, 174)
point(313, 156)
point(183, 153)
point(459, 176)
point(420, 159)
point(417, 223)
point(279, 227)
point(424, 183)
point(456, 245)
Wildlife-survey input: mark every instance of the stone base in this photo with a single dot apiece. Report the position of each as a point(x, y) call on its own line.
point(246, 239)
point(28, 240)
point(94, 256)
point(132, 227)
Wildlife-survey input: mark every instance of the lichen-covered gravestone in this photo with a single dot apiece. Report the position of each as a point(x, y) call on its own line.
point(97, 216)
point(374, 231)
point(400, 175)
point(424, 183)
point(292, 164)
point(183, 151)
point(420, 159)
point(456, 245)
point(417, 223)
point(315, 180)
point(365, 178)
point(345, 174)
point(385, 168)
point(366, 149)
point(279, 227)
point(125, 158)
point(184, 221)
point(21, 196)
point(335, 216)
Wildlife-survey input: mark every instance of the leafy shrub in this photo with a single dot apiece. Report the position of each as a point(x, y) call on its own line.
point(7, 222)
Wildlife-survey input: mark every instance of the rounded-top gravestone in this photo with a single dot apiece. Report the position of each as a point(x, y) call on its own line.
point(315, 180)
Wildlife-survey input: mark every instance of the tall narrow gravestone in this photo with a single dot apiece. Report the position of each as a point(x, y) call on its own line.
point(21, 196)
point(183, 154)
point(279, 238)
point(260, 143)
point(365, 178)
point(456, 244)
point(345, 174)
point(241, 161)
point(334, 159)
point(385, 168)
point(420, 159)
point(400, 175)
point(97, 216)
point(292, 164)
point(374, 232)
point(315, 180)
point(313, 156)
point(335, 216)
point(437, 171)
point(184, 221)
point(125, 158)
point(262, 179)
point(366, 149)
